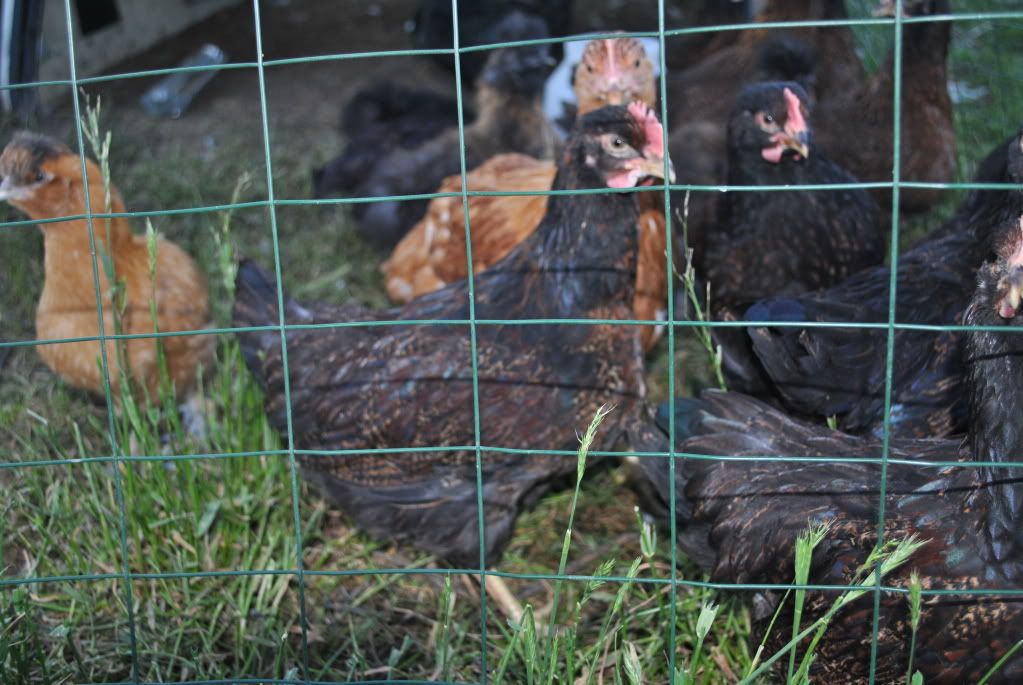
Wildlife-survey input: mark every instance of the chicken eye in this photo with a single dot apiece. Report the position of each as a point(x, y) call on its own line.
point(636, 64)
point(617, 143)
point(589, 68)
point(40, 177)
point(768, 119)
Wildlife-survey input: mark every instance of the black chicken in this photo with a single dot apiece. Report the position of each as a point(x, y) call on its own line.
point(840, 372)
point(385, 116)
point(509, 118)
point(410, 386)
point(822, 56)
point(781, 242)
point(379, 119)
point(483, 22)
point(739, 519)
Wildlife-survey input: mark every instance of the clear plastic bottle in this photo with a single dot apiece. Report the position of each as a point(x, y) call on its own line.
point(172, 95)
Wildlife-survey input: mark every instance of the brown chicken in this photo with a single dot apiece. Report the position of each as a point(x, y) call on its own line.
point(43, 178)
point(856, 129)
point(433, 253)
point(706, 90)
point(405, 386)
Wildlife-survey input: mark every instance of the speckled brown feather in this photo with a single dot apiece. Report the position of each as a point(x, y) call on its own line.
point(67, 306)
point(405, 386)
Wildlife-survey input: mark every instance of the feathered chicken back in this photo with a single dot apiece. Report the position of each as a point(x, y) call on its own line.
point(739, 518)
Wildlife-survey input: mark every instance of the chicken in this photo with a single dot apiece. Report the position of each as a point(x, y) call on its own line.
point(384, 116)
point(483, 22)
point(823, 57)
point(705, 91)
point(841, 372)
point(509, 118)
point(401, 388)
point(740, 518)
point(613, 71)
point(856, 128)
point(432, 254)
point(379, 119)
point(43, 178)
point(781, 243)
point(687, 50)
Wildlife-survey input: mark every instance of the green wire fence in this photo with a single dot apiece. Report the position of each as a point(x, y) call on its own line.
point(117, 456)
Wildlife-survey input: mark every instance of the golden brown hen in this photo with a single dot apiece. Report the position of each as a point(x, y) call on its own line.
point(43, 178)
point(433, 253)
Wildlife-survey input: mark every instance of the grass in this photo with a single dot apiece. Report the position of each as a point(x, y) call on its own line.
point(234, 514)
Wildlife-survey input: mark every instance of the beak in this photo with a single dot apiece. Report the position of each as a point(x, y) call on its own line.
point(1009, 305)
point(797, 141)
point(616, 97)
point(654, 166)
point(5, 188)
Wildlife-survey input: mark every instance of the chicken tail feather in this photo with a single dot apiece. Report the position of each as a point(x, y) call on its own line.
point(255, 304)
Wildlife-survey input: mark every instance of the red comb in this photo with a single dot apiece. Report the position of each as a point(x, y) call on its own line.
point(796, 123)
point(646, 118)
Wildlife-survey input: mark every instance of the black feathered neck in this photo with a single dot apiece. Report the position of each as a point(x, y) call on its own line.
point(994, 362)
point(746, 170)
point(984, 209)
point(582, 256)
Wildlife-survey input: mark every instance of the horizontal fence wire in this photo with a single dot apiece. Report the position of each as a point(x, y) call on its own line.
point(568, 454)
point(117, 457)
point(937, 328)
point(514, 575)
point(693, 456)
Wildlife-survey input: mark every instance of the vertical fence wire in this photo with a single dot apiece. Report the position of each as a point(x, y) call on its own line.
point(118, 459)
point(474, 356)
point(890, 341)
point(104, 362)
point(292, 465)
point(670, 281)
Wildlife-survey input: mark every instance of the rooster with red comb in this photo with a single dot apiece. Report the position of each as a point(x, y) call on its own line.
point(781, 242)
